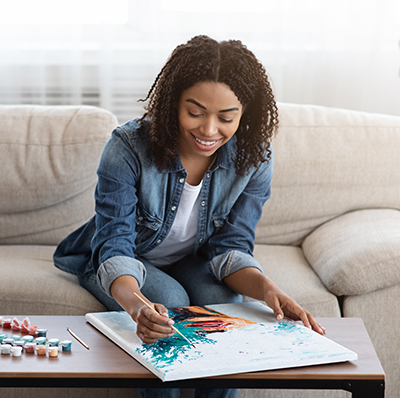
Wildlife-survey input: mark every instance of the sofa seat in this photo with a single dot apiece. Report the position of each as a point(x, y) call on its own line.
point(31, 285)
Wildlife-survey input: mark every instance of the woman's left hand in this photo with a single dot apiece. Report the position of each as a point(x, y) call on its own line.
point(251, 282)
point(283, 305)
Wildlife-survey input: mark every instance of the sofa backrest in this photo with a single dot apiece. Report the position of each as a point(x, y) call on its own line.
point(329, 162)
point(49, 156)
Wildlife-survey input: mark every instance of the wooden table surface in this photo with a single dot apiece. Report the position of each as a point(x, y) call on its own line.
point(104, 359)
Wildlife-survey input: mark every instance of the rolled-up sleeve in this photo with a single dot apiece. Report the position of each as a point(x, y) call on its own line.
point(117, 266)
point(227, 263)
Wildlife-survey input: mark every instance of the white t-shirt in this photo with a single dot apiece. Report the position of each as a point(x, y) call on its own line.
point(181, 238)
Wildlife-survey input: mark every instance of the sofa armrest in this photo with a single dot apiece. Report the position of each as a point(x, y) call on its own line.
point(358, 252)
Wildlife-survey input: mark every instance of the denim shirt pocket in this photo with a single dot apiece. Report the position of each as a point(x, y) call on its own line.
point(146, 225)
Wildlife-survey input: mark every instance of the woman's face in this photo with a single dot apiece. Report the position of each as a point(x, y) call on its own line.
point(209, 115)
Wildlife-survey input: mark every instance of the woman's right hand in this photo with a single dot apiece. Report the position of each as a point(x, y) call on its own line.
point(151, 325)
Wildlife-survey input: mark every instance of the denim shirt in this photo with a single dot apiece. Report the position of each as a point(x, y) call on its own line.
point(136, 204)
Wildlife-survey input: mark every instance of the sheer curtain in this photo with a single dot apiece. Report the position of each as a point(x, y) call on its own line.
point(333, 53)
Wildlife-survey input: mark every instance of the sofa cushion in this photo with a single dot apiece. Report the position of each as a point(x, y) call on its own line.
point(31, 285)
point(288, 268)
point(328, 162)
point(358, 252)
point(49, 159)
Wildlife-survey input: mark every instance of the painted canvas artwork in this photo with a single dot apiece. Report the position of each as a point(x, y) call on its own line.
point(228, 338)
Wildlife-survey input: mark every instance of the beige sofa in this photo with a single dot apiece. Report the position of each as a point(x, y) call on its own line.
point(329, 235)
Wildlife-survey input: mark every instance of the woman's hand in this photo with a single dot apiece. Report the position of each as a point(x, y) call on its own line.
point(251, 282)
point(151, 324)
point(283, 305)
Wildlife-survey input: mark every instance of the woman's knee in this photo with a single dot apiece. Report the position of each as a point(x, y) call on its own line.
point(171, 297)
point(159, 287)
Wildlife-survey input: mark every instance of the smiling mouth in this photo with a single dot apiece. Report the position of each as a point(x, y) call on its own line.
point(205, 143)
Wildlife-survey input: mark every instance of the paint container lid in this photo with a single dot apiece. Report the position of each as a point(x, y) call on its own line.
point(53, 342)
point(5, 348)
point(3, 336)
point(40, 340)
point(41, 332)
point(28, 338)
point(16, 351)
point(15, 337)
point(8, 341)
point(66, 345)
point(52, 351)
point(19, 343)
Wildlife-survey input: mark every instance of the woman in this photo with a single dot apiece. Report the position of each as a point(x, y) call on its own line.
point(180, 192)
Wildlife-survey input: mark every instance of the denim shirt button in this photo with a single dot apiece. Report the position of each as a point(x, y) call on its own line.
point(201, 240)
point(208, 175)
point(158, 240)
point(181, 180)
point(173, 208)
point(203, 203)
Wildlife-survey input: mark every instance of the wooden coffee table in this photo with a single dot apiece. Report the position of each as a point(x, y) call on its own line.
point(106, 365)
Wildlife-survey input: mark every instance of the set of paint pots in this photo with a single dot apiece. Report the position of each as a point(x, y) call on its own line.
point(35, 342)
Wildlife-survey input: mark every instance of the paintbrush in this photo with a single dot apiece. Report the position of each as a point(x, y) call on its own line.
point(173, 327)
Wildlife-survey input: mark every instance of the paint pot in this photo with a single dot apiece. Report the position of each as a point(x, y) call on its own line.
point(19, 343)
point(15, 337)
point(26, 323)
point(32, 330)
point(8, 341)
point(66, 345)
point(27, 339)
point(41, 332)
point(7, 323)
point(30, 347)
point(52, 351)
point(40, 340)
point(16, 351)
point(41, 350)
point(16, 324)
point(5, 349)
point(3, 336)
point(53, 342)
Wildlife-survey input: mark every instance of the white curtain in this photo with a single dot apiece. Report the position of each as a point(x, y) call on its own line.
point(342, 53)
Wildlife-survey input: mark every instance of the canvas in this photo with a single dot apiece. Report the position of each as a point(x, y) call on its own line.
point(228, 338)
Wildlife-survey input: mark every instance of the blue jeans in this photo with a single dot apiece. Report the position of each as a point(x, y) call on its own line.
point(190, 281)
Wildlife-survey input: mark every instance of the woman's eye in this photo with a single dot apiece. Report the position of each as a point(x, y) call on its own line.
point(193, 114)
point(226, 120)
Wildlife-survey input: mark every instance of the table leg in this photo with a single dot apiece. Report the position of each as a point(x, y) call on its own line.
point(365, 388)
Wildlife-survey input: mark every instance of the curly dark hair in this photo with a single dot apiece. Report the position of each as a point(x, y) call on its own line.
point(203, 59)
